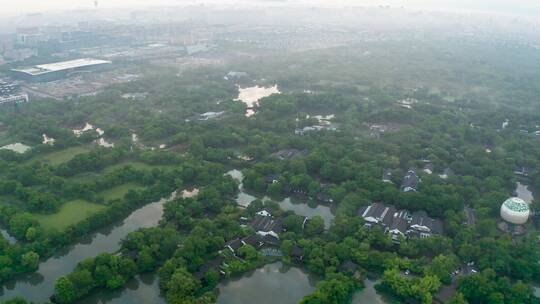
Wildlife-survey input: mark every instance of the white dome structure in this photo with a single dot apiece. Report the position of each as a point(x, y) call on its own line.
point(515, 210)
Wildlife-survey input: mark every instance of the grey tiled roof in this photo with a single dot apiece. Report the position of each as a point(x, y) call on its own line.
point(410, 180)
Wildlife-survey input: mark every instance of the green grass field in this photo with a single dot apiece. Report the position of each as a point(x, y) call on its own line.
point(85, 176)
point(70, 213)
point(62, 156)
point(118, 192)
point(135, 165)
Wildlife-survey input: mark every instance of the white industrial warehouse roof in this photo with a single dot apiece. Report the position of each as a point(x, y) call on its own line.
point(63, 65)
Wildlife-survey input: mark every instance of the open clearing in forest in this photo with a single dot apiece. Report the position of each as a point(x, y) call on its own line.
point(89, 176)
point(135, 164)
point(70, 213)
point(118, 192)
point(62, 156)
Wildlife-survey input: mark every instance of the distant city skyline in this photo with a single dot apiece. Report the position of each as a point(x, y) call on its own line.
point(525, 7)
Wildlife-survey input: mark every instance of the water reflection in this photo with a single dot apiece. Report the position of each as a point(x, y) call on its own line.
point(38, 286)
point(243, 199)
point(141, 289)
point(300, 207)
point(370, 295)
point(273, 283)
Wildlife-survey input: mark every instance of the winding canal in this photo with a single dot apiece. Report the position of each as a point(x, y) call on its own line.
point(39, 286)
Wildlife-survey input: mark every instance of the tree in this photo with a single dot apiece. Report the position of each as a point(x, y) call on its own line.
point(293, 223)
point(442, 266)
point(425, 288)
point(458, 298)
point(82, 281)
point(211, 278)
point(30, 260)
point(181, 287)
point(248, 252)
point(145, 261)
point(64, 291)
point(335, 290)
point(314, 226)
point(275, 189)
point(116, 281)
point(31, 234)
point(19, 224)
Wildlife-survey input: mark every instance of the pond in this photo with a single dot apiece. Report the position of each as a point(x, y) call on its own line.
point(39, 286)
point(301, 207)
point(141, 289)
point(523, 192)
point(271, 284)
point(10, 239)
point(369, 295)
point(16, 147)
point(251, 96)
point(243, 199)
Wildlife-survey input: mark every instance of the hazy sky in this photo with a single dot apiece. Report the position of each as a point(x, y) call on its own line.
point(529, 7)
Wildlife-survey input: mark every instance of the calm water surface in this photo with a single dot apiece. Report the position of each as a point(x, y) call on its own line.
point(271, 284)
point(243, 199)
point(369, 295)
point(523, 192)
point(39, 286)
point(300, 207)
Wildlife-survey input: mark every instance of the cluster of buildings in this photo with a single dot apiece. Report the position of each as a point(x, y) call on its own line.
point(205, 116)
point(267, 229)
point(309, 129)
point(211, 115)
point(11, 93)
point(407, 102)
point(400, 222)
point(410, 182)
point(376, 130)
point(323, 123)
point(287, 154)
